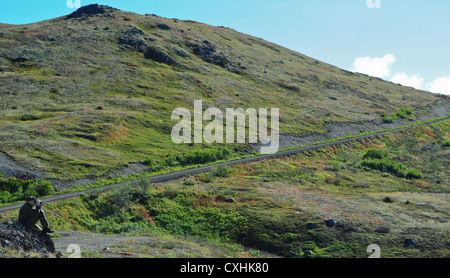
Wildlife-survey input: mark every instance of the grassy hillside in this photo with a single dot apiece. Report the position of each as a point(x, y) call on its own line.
point(94, 90)
point(280, 205)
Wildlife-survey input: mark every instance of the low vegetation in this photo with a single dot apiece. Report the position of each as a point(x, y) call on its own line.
point(402, 113)
point(202, 156)
point(377, 160)
point(76, 106)
point(280, 205)
point(13, 190)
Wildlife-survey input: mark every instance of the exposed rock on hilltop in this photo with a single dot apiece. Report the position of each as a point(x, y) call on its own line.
point(93, 9)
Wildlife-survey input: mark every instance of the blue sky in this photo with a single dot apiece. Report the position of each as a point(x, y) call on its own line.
point(405, 41)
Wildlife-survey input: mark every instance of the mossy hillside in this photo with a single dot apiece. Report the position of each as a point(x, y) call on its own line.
point(279, 205)
point(314, 186)
point(54, 75)
point(80, 214)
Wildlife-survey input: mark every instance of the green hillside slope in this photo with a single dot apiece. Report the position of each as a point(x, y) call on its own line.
point(279, 206)
point(95, 89)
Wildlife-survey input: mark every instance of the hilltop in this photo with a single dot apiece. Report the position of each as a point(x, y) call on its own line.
point(89, 95)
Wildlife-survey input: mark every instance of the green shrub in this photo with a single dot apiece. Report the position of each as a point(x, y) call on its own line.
point(5, 196)
point(413, 173)
point(99, 207)
point(13, 190)
point(288, 237)
point(387, 120)
point(206, 177)
point(188, 183)
point(375, 154)
point(151, 165)
point(121, 196)
point(204, 156)
point(222, 171)
point(391, 166)
point(385, 165)
point(111, 213)
point(206, 222)
point(11, 185)
point(171, 160)
point(402, 113)
point(41, 187)
point(446, 143)
point(335, 166)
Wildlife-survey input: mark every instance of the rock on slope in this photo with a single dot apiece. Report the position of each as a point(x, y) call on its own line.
point(14, 236)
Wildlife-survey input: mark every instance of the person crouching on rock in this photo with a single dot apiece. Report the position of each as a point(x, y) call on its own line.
point(30, 213)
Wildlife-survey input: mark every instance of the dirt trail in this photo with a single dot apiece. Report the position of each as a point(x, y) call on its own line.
point(339, 130)
point(101, 245)
point(89, 245)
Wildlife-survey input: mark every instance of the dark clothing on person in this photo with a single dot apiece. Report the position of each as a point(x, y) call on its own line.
point(29, 217)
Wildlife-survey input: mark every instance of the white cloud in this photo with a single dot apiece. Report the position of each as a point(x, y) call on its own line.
point(381, 67)
point(441, 85)
point(402, 78)
point(378, 67)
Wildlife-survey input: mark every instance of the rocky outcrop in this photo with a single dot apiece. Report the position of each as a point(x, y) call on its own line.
point(93, 9)
point(158, 54)
point(15, 236)
point(135, 38)
point(208, 52)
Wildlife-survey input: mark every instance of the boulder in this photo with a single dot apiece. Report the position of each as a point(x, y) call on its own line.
point(229, 200)
point(409, 242)
point(330, 222)
point(158, 55)
point(163, 26)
